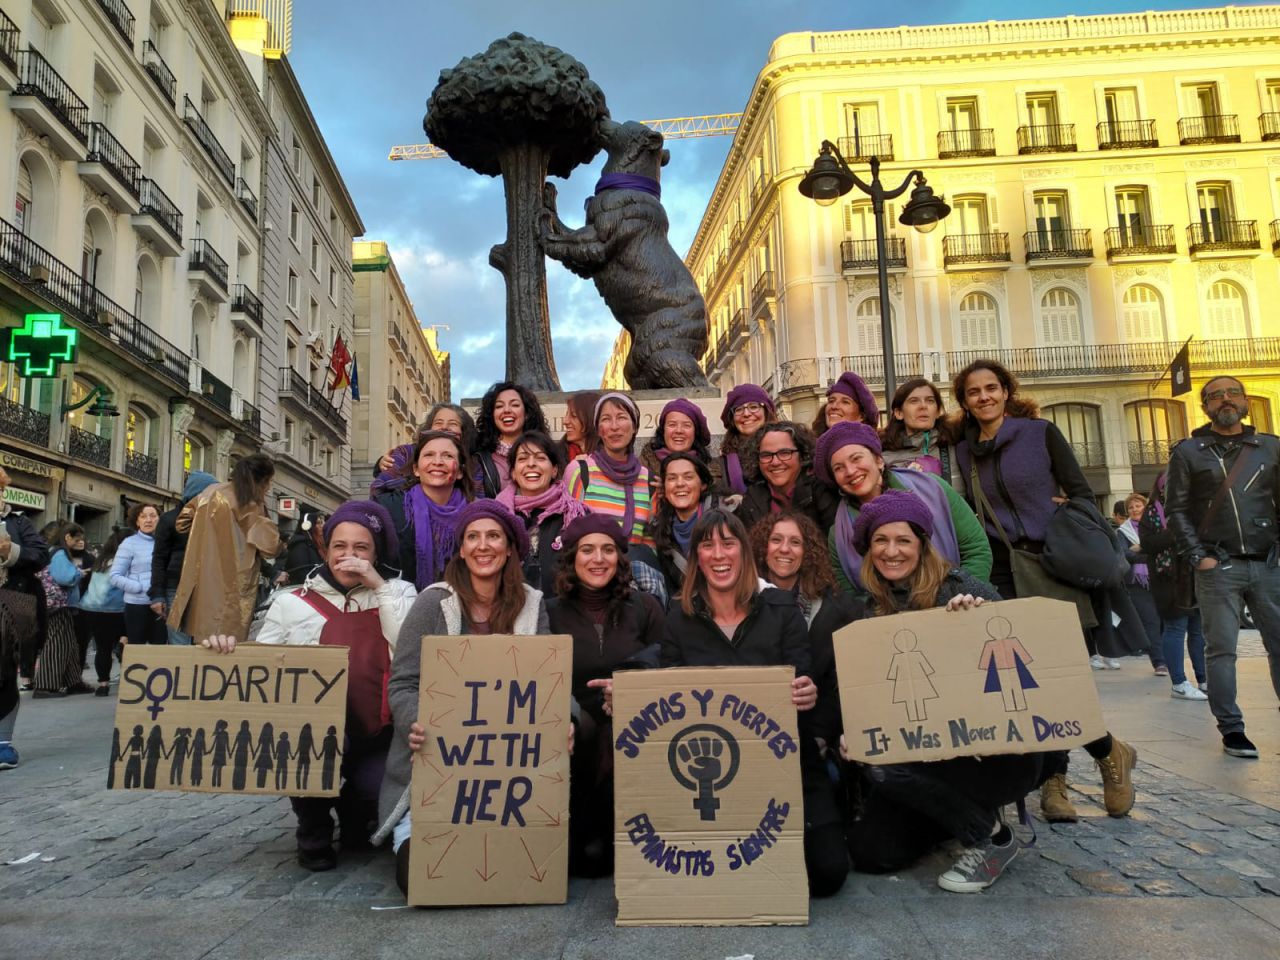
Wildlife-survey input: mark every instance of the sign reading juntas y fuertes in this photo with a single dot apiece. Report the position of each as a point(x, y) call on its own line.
point(1008, 677)
point(264, 719)
point(708, 808)
point(489, 801)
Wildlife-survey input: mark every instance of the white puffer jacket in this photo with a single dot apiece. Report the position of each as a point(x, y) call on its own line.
point(291, 620)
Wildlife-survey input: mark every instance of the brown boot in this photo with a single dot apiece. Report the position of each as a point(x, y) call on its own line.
point(1117, 778)
point(1054, 802)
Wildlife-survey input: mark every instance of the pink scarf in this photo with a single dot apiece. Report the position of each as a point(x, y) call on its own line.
point(551, 501)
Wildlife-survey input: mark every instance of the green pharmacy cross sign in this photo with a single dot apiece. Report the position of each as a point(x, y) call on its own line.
point(40, 345)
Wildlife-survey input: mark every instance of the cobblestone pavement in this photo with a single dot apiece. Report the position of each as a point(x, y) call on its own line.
point(1205, 828)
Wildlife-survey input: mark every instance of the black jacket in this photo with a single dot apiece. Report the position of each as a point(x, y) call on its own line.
point(33, 554)
point(300, 557)
point(811, 497)
point(773, 634)
point(540, 565)
point(838, 609)
point(1244, 524)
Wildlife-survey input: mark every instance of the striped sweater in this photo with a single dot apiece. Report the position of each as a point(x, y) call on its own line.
point(602, 495)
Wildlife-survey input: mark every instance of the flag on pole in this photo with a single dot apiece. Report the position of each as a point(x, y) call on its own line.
point(1180, 371)
point(355, 378)
point(338, 362)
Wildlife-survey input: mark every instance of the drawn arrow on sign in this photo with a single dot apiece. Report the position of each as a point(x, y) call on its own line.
point(440, 656)
point(533, 863)
point(432, 692)
point(557, 777)
point(553, 757)
point(546, 697)
point(553, 653)
point(464, 647)
point(515, 664)
point(553, 820)
point(486, 876)
point(435, 836)
point(426, 762)
point(427, 801)
point(437, 717)
point(555, 720)
point(431, 870)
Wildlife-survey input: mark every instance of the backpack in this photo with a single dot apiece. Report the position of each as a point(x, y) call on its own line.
point(55, 594)
point(1081, 548)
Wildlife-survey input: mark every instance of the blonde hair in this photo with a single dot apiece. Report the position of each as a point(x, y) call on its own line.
point(695, 582)
point(922, 584)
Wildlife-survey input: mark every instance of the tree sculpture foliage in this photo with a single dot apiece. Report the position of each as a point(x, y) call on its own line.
point(522, 109)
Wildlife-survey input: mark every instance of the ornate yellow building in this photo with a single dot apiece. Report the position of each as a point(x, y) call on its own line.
point(1115, 188)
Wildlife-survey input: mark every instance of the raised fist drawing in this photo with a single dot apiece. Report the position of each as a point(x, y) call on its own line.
point(701, 755)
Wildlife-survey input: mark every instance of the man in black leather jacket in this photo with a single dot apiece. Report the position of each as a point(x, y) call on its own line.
point(1223, 503)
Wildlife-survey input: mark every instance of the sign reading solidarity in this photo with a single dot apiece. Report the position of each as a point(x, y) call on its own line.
point(709, 812)
point(490, 791)
point(264, 719)
point(1008, 677)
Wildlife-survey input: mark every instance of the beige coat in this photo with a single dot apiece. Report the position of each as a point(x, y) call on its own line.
point(219, 584)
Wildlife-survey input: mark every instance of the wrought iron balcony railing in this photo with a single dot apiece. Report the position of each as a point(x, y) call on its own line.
point(141, 467)
point(1127, 135)
point(861, 254)
point(975, 248)
point(105, 149)
point(251, 417)
point(1047, 138)
point(215, 391)
point(975, 142)
point(1090, 453)
point(8, 42)
point(1275, 236)
point(244, 301)
point(205, 137)
point(89, 447)
point(1141, 239)
point(1154, 453)
point(156, 203)
point(762, 291)
point(1212, 128)
point(204, 257)
point(121, 18)
point(1223, 235)
point(737, 326)
point(154, 64)
point(247, 198)
point(295, 385)
point(38, 79)
point(863, 147)
point(1269, 125)
point(23, 423)
point(1058, 244)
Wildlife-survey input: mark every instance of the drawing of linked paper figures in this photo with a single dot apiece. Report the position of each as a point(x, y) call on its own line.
point(910, 671)
point(1005, 660)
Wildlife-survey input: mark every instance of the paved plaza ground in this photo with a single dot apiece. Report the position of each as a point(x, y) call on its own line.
point(1195, 871)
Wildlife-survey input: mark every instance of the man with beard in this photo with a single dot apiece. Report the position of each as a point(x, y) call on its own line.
point(1223, 498)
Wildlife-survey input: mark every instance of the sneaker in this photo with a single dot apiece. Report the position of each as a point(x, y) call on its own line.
point(1236, 744)
point(1162, 671)
point(317, 860)
point(1097, 662)
point(8, 756)
point(1186, 690)
point(104, 690)
point(1055, 804)
point(979, 867)
point(1204, 686)
point(1117, 778)
point(1112, 663)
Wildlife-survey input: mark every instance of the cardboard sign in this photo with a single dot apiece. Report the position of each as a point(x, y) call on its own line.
point(490, 791)
point(1008, 677)
point(265, 719)
point(708, 808)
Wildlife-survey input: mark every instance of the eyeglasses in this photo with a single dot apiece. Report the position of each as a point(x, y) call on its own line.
point(752, 407)
point(782, 456)
point(1235, 393)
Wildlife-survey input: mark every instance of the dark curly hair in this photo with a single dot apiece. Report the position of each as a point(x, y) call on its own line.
point(136, 511)
point(487, 434)
point(1015, 406)
point(816, 576)
point(664, 516)
point(463, 481)
point(800, 435)
point(568, 587)
point(543, 442)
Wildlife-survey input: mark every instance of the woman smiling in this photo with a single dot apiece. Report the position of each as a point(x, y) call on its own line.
point(783, 452)
point(540, 500)
point(747, 408)
point(506, 411)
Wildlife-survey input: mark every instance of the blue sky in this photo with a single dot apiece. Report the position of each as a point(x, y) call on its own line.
point(368, 77)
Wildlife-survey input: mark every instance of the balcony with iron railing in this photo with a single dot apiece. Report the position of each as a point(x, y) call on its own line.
point(975, 248)
point(139, 466)
point(8, 42)
point(1211, 128)
point(48, 279)
point(160, 73)
point(1141, 240)
point(208, 268)
point(246, 303)
point(247, 199)
point(1223, 236)
point(107, 154)
point(737, 327)
point(1269, 126)
point(89, 447)
point(1057, 245)
point(762, 291)
point(205, 137)
point(722, 349)
point(1275, 236)
point(1090, 453)
point(975, 142)
point(251, 417)
point(856, 255)
point(158, 218)
point(54, 109)
point(121, 18)
point(294, 386)
point(215, 391)
point(862, 148)
point(1127, 135)
point(758, 186)
point(1047, 138)
point(1153, 453)
point(23, 423)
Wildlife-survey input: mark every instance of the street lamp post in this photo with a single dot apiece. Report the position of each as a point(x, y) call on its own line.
point(831, 178)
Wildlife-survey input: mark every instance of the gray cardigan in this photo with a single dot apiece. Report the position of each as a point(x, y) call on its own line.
point(437, 612)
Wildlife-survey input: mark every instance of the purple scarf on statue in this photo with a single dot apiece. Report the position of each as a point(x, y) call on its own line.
point(432, 532)
point(924, 485)
point(627, 181)
point(625, 475)
point(555, 500)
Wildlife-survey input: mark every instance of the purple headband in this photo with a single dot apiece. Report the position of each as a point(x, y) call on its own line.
point(852, 386)
point(744, 393)
point(841, 435)
point(892, 506)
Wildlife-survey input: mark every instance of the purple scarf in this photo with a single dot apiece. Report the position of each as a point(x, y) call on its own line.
point(628, 181)
point(733, 473)
point(1138, 572)
point(555, 500)
point(432, 546)
point(625, 475)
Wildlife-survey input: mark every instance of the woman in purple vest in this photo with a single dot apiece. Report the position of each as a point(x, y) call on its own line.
point(1025, 468)
point(849, 458)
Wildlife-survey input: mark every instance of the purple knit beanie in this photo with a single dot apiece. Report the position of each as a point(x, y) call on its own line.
point(841, 435)
point(890, 507)
point(586, 524)
point(851, 385)
point(492, 510)
point(701, 432)
point(374, 518)
point(744, 393)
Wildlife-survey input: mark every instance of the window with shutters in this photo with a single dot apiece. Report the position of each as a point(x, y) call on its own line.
point(860, 220)
point(1082, 426)
point(868, 339)
point(1260, 414)
point(22, 207)
point(1142, 314)
point(1225, 314)
point(979, 322)
point(1060, 318)
point(1154, 425)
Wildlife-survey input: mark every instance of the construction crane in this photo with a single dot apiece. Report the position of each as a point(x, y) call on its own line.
point(673, 128)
